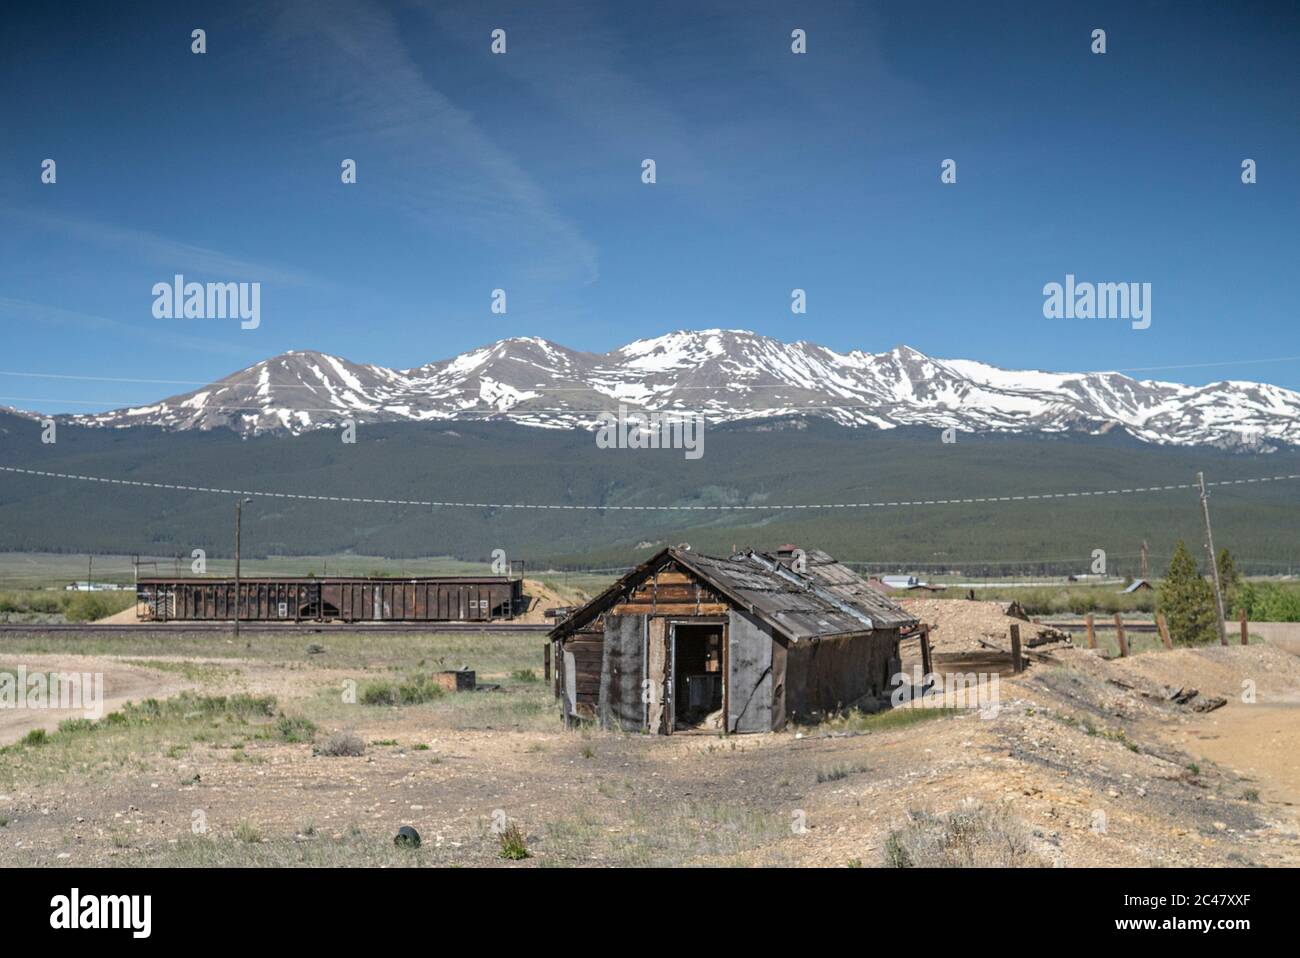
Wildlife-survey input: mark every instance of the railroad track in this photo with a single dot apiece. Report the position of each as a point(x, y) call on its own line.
point(262, 628)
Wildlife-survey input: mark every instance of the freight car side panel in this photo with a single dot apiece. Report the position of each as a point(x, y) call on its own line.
point(349, 600)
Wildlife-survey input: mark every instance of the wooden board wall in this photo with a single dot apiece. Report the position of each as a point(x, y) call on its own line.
point(672, 591)
point(621, 673)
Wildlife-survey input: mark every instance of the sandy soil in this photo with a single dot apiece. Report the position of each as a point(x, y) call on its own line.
point(541, 598)
point(126, 617)
point(957, 625)
point(1067, 749)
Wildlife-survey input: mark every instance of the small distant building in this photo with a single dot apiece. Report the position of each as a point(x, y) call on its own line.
point(1137, 585)
point(84, 586)
point(744, 643)
point(901, 583)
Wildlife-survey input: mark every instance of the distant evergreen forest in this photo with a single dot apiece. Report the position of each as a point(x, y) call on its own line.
point(754, 464)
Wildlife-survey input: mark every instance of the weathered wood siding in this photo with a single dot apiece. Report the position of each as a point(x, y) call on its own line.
point(578, 665)
point(622, 670)
point(829, 674)
point(749, 679)
point(672, 591)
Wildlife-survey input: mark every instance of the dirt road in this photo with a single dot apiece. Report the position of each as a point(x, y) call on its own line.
point(120, 683)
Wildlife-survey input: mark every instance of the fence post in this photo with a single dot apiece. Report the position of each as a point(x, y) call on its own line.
point(1119, 634)
point(1017, 663)
point(1163, 626)
point(1092, 636)
point(546, 661)
point(1245, 630)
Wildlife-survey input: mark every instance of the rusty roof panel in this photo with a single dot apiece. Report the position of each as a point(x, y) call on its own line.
point(826, 599)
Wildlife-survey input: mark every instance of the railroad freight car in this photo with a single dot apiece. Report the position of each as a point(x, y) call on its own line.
point(342, 598)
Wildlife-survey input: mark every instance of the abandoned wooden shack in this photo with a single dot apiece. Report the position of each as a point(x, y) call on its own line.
point(746, 643)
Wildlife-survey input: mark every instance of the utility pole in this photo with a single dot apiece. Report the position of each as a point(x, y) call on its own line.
point(1144, 560)
point(239, 515)
point(1214, 559)
point(90, 570)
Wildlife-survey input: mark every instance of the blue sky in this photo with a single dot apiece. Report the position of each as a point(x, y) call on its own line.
point(522, 172)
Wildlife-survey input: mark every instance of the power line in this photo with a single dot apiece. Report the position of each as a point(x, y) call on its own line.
point(788, 507)
point(1233, 362)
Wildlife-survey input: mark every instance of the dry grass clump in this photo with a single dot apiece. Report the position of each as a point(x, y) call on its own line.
point(973, 835)
point(346, 744)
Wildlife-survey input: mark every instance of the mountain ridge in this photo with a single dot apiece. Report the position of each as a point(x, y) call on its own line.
point(725, 376)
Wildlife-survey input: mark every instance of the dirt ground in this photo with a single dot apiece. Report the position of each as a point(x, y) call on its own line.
point(958, 625)
point(1099, 773)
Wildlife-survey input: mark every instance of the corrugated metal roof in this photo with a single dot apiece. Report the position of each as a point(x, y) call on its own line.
point(849, 586)
point(843, 582)
point(826, 599)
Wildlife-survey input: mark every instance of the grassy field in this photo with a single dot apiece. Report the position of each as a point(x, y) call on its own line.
point(1063, 600)
point(51, 605)
point(1108, 641)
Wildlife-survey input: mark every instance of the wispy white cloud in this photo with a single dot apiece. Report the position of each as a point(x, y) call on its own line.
point(27, 314)
point(449, 174)
point(163, 251)
point(578, 61)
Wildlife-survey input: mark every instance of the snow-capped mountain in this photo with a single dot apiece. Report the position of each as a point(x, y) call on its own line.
point(724, 375)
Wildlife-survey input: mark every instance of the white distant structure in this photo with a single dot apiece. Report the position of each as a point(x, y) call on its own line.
point(900, 581)
point(84, 586)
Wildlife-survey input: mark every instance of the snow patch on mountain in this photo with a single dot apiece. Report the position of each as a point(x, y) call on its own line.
point(726, 375)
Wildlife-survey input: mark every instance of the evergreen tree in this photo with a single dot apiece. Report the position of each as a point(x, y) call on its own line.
point(1187, 601)
point(1229, 581)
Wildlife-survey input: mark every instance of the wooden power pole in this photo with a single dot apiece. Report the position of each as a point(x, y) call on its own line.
point(1214, 559)
point(239, 515)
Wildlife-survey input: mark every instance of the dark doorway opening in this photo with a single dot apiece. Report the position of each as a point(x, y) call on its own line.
point(697, 676)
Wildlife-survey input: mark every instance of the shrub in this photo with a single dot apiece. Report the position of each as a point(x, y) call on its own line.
point(188, 705)
point(296, 729)
point(247, 832)
point(341, 744)
point(837, 772)
point(87, 607)
point(1269, 602)
point(413, 691)
point(33, 601)
point(513, 846)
